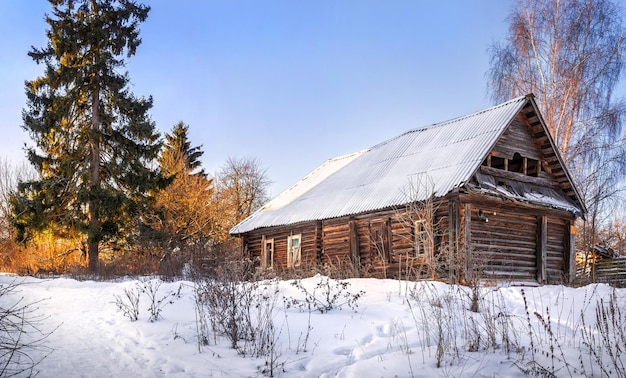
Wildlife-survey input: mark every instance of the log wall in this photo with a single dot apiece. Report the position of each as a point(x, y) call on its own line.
point(310, 247)
point(336, 243)
point(505, 242)
point(556, 250)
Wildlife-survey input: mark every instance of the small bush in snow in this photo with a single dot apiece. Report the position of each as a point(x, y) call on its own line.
point(158, 302)
point(326, 295)
point(128, 303)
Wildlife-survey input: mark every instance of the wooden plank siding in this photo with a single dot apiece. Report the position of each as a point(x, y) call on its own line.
point(516, 139)
point(552, 164)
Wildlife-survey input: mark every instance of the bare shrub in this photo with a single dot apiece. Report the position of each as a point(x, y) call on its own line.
point(499, 325)
point(20, 333)
point(265, 334)
point(605, 338)
point(128, 303)
point(436, 314)
point(244, 313)
point(228, 305)
point(223, 301)
point(339, 269)
point(156, 301)
point(326, 295)
point(538, 342)
point(545, 356)
point(448, 330)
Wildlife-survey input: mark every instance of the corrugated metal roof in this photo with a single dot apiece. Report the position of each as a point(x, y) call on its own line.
point(436, 158)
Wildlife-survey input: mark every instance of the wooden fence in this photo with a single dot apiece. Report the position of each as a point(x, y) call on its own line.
point(604, 270)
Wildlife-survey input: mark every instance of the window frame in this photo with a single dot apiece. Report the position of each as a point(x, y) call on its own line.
point(294, 254)
point(265, 256)
point(422, 238)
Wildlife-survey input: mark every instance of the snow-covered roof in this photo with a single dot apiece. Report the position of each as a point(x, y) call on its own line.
point(436, 158)
point(526, 192)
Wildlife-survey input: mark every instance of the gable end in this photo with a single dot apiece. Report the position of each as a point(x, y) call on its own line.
point(525, 153)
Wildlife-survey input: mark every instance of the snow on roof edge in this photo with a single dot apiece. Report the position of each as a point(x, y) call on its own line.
point(320, 173)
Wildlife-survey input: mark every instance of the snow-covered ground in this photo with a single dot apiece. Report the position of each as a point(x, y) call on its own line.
point(399, 329)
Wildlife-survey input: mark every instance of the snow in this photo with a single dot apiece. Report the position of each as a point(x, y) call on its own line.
point(311, 180)
point(270, 214)
point(393, 332)
point(526, 192)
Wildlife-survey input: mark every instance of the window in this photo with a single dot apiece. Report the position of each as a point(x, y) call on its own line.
point(422, 238)
point(533, 168)
point(517, 164)
point(294, 250)
point(268, 253)
point(498, 163)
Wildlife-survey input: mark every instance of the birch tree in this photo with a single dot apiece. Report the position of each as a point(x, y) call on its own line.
point(569, 53)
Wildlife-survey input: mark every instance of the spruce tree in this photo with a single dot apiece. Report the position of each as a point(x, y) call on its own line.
point(185, 206)
point(94, 140)
point(178, 155)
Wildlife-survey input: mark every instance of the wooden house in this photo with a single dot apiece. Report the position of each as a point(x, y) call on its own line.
point(485, 195)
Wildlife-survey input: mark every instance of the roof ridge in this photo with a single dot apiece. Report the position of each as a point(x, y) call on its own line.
point(459, 118)
point(474, 114)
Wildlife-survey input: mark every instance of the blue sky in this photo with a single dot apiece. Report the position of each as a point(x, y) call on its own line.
point(289, 82)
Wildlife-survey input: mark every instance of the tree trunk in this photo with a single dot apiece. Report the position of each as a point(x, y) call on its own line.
point(93, 233)
point(93, 256)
